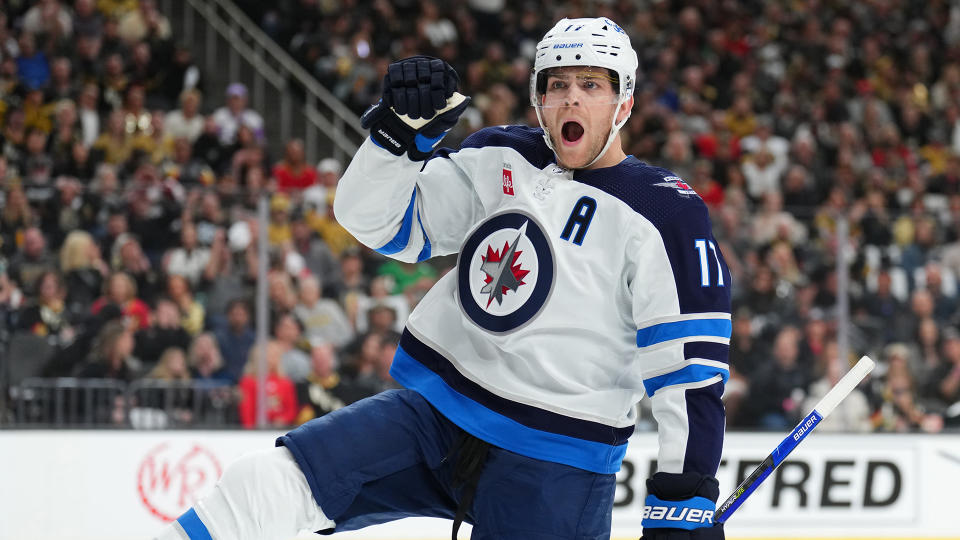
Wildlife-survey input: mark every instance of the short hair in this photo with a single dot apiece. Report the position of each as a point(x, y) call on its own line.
point(191, 92)
point(389, 337)
point(239, 302)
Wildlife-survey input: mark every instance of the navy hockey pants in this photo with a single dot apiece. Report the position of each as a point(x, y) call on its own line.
point(386, 458)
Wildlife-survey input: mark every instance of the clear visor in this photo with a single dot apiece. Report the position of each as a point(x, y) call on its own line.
point(562, 87)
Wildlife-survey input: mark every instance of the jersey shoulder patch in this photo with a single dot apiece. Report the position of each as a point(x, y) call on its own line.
point(678, 185)
point(653, 192)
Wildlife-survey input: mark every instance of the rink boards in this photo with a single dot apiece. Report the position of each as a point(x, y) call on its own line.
point(106, 485)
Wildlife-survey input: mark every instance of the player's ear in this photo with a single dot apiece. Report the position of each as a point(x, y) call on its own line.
point(625, 109)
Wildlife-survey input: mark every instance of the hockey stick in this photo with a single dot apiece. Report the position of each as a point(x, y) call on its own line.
point(824, 407)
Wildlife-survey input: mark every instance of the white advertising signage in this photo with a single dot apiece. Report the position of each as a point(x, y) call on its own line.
point(832, 485)
point(106, 485)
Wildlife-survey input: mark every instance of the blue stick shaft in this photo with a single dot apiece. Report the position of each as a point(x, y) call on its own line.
point(767, 466)
point(827, 403)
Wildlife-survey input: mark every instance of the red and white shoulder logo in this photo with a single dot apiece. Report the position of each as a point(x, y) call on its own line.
point(507, 179)
point(172, 476)
point(676, 183)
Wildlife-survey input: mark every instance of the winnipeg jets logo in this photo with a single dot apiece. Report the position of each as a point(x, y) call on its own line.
point(505, 272)
point(502, 274)
point(676, 183)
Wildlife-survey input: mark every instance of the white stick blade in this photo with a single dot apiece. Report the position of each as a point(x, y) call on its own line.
point(844, 386)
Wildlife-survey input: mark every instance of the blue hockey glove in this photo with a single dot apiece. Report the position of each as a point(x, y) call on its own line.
point(419, 106)
point(681, 507)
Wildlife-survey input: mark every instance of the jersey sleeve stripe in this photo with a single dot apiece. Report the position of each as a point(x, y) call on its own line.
point(659, 333)
point(688, 362)
point(192, 526)
point(686, 317)
point(425, 252)
point(706, 350)
point(691, 373)
point(399, 241)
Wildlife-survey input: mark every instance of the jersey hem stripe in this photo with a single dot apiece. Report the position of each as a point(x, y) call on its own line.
point(501, 430)
point(519, 399)
point(528, 415)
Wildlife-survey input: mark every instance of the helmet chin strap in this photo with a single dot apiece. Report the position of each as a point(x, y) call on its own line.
point(546, 131)
point(614, 129)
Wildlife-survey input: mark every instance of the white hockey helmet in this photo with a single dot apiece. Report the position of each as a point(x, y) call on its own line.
point(587, 42)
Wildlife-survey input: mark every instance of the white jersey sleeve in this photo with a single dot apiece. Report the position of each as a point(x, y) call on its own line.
point(404, 209)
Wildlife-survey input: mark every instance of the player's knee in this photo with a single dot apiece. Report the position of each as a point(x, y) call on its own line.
point(261, 474)
point(263, 494)
point(255, 466)
point(250, 467)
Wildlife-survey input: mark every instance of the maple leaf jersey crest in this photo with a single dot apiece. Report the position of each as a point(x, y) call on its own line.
point(502, 273)
point(675, 182)
point(505, 272)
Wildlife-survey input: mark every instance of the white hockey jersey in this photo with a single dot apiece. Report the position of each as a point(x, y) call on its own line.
point(575, 294)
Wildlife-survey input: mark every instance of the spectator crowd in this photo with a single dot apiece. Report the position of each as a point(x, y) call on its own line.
point(128, 239)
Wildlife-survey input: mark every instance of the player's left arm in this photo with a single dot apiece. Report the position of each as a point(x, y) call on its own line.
point(682, 311)
point(392, 189)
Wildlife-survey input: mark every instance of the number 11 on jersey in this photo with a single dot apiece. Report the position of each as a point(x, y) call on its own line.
point(701, 245)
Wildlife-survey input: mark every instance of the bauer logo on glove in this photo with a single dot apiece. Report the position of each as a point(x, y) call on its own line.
point(686, 515)
point(419, 106)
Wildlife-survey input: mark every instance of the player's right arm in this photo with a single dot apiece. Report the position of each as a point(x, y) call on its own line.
point(389, 198)
point(682, 312)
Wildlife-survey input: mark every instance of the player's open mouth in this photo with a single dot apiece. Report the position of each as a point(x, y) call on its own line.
point(571, 132)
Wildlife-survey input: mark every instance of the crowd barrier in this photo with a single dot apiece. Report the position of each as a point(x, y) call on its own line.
point(125, 484)
point(105, 403)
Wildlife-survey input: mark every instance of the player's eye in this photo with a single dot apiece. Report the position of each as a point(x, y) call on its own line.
point(558, 84)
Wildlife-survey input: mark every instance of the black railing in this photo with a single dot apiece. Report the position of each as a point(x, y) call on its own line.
point(105, 403)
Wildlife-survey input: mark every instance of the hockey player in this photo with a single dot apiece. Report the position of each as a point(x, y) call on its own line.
point(586, 279)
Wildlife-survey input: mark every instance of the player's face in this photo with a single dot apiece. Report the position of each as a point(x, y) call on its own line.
point(578, 105)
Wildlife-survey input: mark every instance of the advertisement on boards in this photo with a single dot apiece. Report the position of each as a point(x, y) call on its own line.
point(104, 485)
